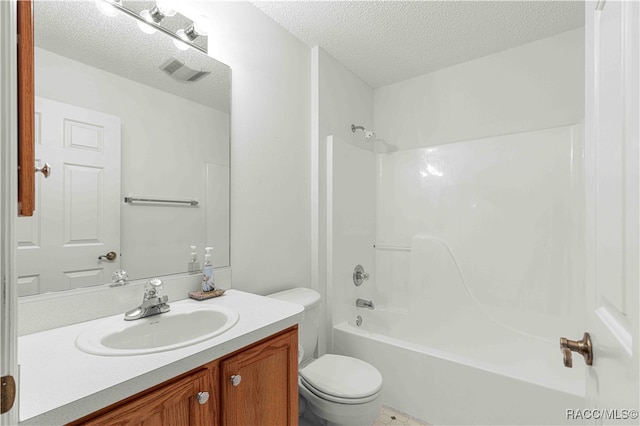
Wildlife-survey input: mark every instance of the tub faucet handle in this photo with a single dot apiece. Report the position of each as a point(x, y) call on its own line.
point(583, 347)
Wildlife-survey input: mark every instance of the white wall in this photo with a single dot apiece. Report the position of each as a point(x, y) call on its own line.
point(535, 86)
point(344, 99)
point(157, 160)
point(270, 154)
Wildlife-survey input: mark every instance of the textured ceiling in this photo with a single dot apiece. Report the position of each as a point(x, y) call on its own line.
point(77, 30)
point(384, 42)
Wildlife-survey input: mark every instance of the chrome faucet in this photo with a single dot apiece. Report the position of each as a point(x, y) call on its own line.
point(152, 303)
point(361, 303)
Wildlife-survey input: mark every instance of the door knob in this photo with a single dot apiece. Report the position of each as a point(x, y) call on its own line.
point(202, 397)
point(235, 379)
point(45, 170)
point(583, 347)
point(109, 256)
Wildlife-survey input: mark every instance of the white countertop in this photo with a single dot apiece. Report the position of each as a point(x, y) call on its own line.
point(60, 383)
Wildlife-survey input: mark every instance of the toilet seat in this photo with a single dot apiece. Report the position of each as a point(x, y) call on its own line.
point(341, 379)
point(331, 398)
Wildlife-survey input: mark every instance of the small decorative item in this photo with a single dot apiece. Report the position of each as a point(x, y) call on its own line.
point(203, 295)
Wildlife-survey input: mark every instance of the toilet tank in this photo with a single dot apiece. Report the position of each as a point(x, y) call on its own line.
point(308, 327)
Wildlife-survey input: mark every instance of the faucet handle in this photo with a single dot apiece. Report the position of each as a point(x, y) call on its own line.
point(153, 288)
point(359, 275)
point(119, 278)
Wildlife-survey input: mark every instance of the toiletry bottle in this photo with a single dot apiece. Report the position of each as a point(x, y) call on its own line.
point(193, 265)
point(207, 271)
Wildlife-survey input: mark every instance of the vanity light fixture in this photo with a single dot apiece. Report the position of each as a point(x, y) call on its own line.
point(195, 30)
point(188, 35)
point(161, 9)
point(156, 19)
point(157, 13)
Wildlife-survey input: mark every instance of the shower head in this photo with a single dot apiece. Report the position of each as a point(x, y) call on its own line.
point(368, 134)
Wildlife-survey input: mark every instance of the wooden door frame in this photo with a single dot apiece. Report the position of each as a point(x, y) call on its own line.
point(26, 108)
point(8, 196)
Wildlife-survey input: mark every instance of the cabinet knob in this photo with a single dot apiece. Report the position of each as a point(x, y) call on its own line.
point(202, 397)
point(236, 379)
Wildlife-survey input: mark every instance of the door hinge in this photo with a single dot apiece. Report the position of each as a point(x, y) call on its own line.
point(8, 393)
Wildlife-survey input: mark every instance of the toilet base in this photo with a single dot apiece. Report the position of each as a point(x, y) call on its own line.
point(309, 419)
point(335, 414)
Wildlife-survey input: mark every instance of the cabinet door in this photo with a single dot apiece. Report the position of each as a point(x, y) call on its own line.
point(173, 404)
point(264, 389)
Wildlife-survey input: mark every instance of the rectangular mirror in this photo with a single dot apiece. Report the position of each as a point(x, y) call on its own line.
point(122, 114)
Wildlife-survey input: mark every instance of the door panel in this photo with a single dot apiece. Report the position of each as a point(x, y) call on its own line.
point(77, 217)
point(267, 387)
point(612, 194)
point(173, 404)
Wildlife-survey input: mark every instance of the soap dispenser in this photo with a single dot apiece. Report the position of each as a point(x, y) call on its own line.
point(193, 266)
point(207, 271)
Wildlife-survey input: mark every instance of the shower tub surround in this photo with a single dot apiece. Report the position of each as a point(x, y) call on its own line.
point(476, 257)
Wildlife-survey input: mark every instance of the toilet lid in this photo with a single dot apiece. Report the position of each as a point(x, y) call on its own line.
point(342, 376)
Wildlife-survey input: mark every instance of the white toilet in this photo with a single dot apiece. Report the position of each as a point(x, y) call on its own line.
point(339, 390)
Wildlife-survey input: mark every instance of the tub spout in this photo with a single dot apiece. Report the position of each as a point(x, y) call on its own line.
point(361, 303)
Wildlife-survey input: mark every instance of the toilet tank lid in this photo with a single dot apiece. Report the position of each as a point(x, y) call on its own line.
point(302, 296)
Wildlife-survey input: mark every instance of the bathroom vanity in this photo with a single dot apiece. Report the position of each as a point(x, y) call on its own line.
point(253, 386)
point(246, 375)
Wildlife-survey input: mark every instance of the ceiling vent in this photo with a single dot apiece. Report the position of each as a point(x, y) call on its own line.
point(179, 71)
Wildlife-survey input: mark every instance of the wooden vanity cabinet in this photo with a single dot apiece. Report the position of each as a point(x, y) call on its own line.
point(173, 403)
point(264, 391)
point(260, 384)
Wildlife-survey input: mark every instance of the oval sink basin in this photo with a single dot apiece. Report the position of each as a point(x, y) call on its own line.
point(183, 325)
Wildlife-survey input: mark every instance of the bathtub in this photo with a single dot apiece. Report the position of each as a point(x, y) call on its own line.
point(460, 376)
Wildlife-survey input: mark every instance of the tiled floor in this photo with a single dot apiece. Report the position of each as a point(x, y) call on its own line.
point(390, 416)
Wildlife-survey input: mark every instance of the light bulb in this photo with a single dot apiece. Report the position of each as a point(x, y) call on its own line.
point(181, 44)
point(201, 26)
point(166, 7)
point(183, 35)
point(144, 27)
point(192, 32)
point(106, 7)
